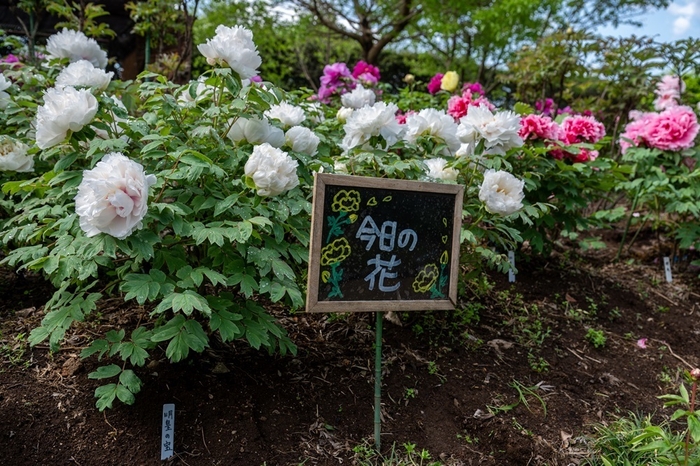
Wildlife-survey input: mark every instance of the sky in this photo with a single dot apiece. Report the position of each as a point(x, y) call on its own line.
point(680, 20)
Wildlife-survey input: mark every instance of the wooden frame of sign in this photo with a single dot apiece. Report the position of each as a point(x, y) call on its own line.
point(381, 244)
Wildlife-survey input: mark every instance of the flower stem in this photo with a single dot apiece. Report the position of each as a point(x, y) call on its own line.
point(692, 410)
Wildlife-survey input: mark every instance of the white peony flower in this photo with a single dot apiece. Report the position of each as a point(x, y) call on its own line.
point(82, 74)
point(4, 96)
point(302, 139)
point(112, 198)
point(343, 114)
point(501, 192)
point(371, 121)
point(235, 47)
point(13, 156)
point(289, 115)
point(76, 46)
point(65, 109)
point(359, 97)
point(340, 167)
point(437, 169)
point(256, 131)
point(272, 170)
point(499, 131)
point(432, 122)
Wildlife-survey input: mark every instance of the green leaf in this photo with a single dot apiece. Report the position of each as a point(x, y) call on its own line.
point(105, 396)
point(130, 381)
point(125, 395)
point(105, 372)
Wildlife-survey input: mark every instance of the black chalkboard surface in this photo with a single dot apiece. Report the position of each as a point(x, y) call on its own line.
point(379, 244)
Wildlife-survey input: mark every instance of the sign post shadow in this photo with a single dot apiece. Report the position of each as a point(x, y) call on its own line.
point(380, 245)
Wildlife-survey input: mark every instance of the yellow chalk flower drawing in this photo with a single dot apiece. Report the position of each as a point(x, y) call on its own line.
point(426, 278)
point(335, 252)
point(444, 258)
point(346, 201)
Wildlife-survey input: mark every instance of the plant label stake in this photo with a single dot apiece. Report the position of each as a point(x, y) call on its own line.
point(511, 271)
point(667, 269)
point(378, 382)
point(167, 432)
point(383, 245)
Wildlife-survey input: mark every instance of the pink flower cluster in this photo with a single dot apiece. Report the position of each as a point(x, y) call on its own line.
point(668, 92)
point(367, 74)
point(574, 129)
point(338, 80)
point(458, 105)
point(674, 129)
point(535, 126)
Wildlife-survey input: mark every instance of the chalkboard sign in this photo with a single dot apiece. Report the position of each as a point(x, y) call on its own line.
point(383, 245)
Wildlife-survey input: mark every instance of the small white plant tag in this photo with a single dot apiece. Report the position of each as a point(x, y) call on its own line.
point(168, 432)
point(667, 269)
point(511, 272)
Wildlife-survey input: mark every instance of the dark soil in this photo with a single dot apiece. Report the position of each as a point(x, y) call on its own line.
point(450, 379)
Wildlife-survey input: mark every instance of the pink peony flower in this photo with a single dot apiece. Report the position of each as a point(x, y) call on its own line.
point(578, 128)
point(538, 127)
point(673, 129)
point(458, 106)
point(363, 71)
point(635, 129)
point(642, 343)
point(435, 83)
point(584, 155)
point(668, 92)
point(401, 117)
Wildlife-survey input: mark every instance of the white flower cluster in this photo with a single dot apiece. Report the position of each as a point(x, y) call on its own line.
point(289, 115)
point(235, 47)
point(4, 96)
point(255, 131)
point(501, 192)
point(498, 131)
point(76, 46)
point(358, 98)
point(112, 198)
point(13, 156)
point(272, 170)
point(83, 74)
point(65, 109)
point(302, 139)
point(371, 121)
point(436, 123)
point(438, 169)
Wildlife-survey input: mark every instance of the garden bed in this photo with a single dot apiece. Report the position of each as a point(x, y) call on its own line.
point(451, 381)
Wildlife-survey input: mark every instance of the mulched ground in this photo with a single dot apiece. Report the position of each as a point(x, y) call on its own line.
point(450, 379)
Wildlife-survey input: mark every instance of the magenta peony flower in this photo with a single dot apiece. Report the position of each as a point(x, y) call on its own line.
point(545, 106)
point(435, 83)
point(474, 88)
point(538, 127)
point(578, 128)
point(10, 59)
point(365, 72)
point(673, 129)
point(584, 155)
point(333, 74)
